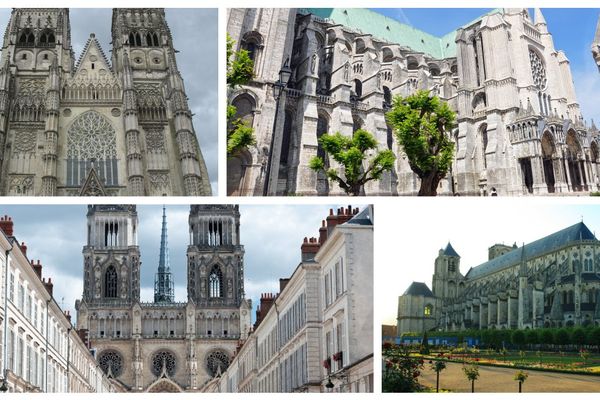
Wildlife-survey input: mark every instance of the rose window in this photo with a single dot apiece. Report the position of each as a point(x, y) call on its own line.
point(538, 70)
point(163, 360)
point(111, 360)
point(216, 362)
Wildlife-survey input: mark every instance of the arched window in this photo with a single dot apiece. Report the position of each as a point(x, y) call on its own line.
point(215, 283)
point(155, 40)
point(360, 46)
point(538, 70)
point(138, 39)
point(358, 88)
point(91, 141)
point(47, 38)
point(412, 63)
point(388, 55)
point(484, 143)
point(322, 128)
point(110, 282)
point(252, 42)
point(428, 310)
point(131, 39)
point(149, 39)
point(26, 38)
point(286, 139)
point(387, 97)
point(434, 70)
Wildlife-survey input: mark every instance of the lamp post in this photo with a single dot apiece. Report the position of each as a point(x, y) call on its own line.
point(278, 88)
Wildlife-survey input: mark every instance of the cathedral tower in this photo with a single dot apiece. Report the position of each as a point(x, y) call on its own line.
point(215, 256)
point(156, 112)
point(111, 257)
point(164, 291)
point(447, 273)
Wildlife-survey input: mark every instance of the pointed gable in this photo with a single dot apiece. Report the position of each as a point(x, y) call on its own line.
point(92, 63)
point(93, 185)
point(449, 251)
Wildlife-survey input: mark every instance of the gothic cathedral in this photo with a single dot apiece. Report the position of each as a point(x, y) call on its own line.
point(94, 127)
point(163, 346)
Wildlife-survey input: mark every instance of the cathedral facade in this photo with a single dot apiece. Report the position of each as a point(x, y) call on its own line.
point(164, 345)
point(519, 126)
point(95, 126)
point(551, 282)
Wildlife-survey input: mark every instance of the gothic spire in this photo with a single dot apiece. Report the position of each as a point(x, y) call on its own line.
point(538, 17)
point(163, 282)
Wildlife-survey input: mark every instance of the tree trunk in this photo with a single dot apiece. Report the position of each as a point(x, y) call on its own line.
point(429, 184)
point(520, 383)
point(437, 382)
point(473, 386)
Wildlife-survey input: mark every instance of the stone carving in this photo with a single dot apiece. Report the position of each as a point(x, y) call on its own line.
point(538, 71)
point(164, 361)
point(217, 362)
point(21, 185)
point(25, 141)
point(160, 183)
point(155, 140)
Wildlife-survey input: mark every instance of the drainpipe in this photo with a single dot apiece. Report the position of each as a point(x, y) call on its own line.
point(68, 359)
point(46, 355)
point(5, 333)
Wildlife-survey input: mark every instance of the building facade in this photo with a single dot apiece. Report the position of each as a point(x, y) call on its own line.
point(163, 346)
point(519, 127)
point(41, 351)
point(551, 282)
point(312, 336)
point(95, 127)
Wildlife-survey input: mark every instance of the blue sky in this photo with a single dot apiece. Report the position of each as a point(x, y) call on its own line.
point(471, 228)
point(572, 31)
point(271, 235)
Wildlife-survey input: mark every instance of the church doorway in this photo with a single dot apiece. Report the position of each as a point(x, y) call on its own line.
point(548, 150)
point(576, 172)
point(527, 173)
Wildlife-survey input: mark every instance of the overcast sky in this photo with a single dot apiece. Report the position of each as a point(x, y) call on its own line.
point(408, 243)
point(271, 236)
point(195, 36)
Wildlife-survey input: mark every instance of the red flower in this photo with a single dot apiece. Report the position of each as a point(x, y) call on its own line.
point(477, 359)
point(415, 374)
point(326, 364)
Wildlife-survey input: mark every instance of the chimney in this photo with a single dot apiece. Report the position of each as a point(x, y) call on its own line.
point(68, 315)
point(23, 248)
point(49, 285)
point(6, 224)
point(309, 248)
point(84, 336)
point(322, 233)
point(266, 302)
point(283, 283)
point(37, 268)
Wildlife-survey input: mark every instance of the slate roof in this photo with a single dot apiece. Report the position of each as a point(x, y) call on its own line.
point(572, 234)
point(362, 218)
point(386, 28)
point(418, 289)
point(449, 251)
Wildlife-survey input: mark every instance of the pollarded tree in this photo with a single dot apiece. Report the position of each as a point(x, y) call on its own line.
point(520, 376)
point(240, 70)
point(422, 124)
point(351, 154)
point(472, 374)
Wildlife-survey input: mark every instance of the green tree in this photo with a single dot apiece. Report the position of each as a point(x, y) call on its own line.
point(546, 337)
point(438, 367)
point(531, 336)
point(472, 374)
point(521, 377)
point(518, 338)
point(594, 337)
point(240, 70)
point(561, 337)
point(422, 124)
point(351, 154)
point(578, 336)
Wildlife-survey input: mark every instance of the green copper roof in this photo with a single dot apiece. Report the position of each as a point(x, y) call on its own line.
point(382, 27)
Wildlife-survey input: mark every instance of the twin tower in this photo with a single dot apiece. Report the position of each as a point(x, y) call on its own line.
point(175, 345)
point(95, 126)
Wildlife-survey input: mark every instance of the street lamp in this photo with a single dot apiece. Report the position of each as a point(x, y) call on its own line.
point(329, 384)
point(3, 387)
point(278, 89)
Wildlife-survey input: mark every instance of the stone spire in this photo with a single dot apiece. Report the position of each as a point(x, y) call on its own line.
point(538, 17)
point(163, 282)
point(596, 45)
